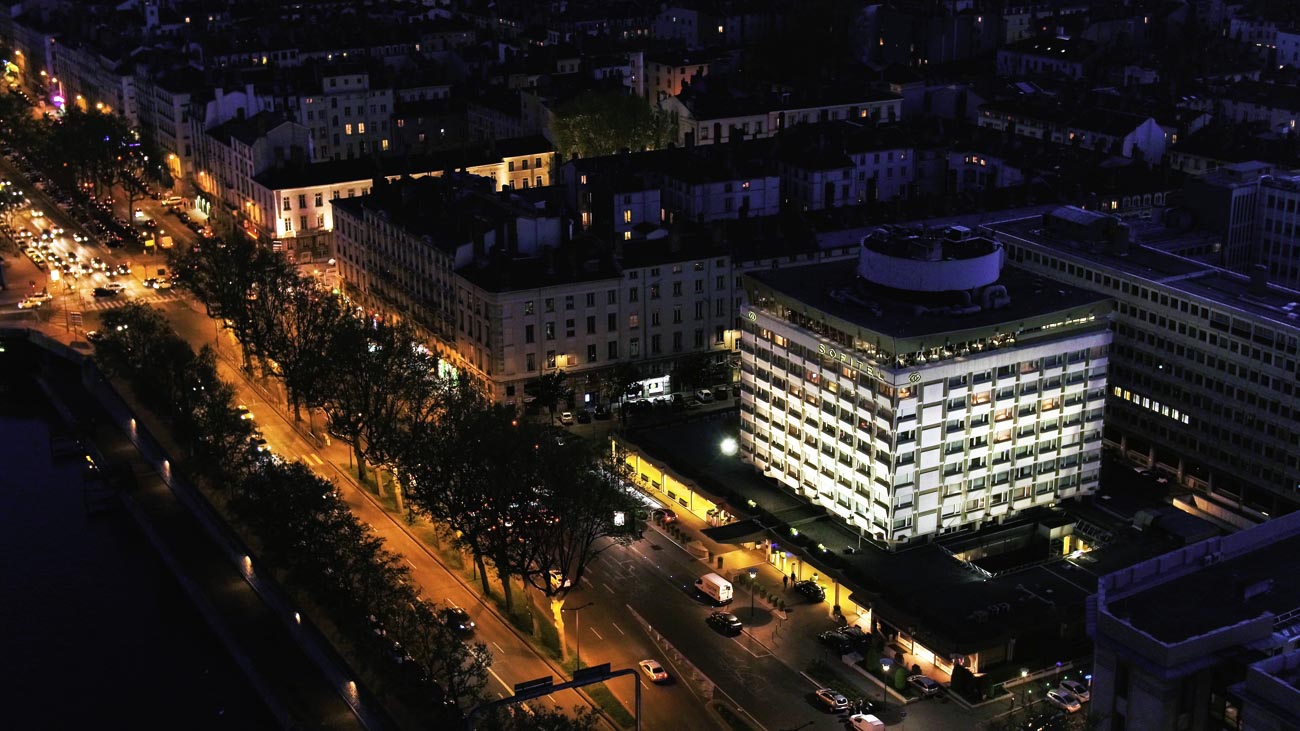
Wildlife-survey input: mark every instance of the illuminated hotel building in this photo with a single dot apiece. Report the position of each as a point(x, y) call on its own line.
point(923, 388)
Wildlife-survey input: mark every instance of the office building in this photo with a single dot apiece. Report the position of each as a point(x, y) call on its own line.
point(1203, 637)
point(923, 388)
point(1203, 376)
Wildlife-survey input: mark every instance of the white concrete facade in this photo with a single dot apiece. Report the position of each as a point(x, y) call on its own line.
point(904, 452)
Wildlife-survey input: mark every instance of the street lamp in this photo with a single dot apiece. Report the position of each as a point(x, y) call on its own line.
point(729, 446)
point(753, 580)
point(577, 663)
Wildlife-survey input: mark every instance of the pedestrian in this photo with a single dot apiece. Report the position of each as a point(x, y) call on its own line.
point(785, 582)
point(792, 575)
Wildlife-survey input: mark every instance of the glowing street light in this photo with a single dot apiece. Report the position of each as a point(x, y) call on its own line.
point(729, 446)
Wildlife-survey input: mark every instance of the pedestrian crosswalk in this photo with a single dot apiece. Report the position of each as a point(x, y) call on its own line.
point(108, 303)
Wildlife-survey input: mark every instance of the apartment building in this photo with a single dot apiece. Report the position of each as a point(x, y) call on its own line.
point(586, 306)
point(348, 117)
point(1203, 379)
point(1203, 637)
point(505, 294)
point(715, 114)
point(923, 388)
point(164, 108)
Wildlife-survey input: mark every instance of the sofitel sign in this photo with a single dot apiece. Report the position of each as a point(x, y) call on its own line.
point(838, 355)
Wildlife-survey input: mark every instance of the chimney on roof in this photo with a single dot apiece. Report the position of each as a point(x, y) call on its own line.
point(1259, 279)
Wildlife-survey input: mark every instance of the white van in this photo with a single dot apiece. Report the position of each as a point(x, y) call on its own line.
point(172, 200)
point(715, 587)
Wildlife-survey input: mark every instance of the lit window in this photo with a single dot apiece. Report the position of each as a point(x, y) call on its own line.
point(361, 128)
point(383, 145)
point(347, 128)
point(627, 235)
point(627, 215)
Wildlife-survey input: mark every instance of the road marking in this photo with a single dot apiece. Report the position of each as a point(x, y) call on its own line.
point(611, 591)
point(408, 562)
point(499, 648)
point(504, 684)
point(316, 459)
point(594, 632)
point(620, 629)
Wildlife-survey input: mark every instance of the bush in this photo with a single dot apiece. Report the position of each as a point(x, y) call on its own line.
point(916, 669)
point(963, 681)
point(900, 678)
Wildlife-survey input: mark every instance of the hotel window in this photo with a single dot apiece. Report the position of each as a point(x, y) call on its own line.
point(627, 215)
point(288, 223)
point(302, 222)
point(361, 128)
point(288, 204)
point(347, 128)
point(531, 361)
point(550, 359)
point(320, 199)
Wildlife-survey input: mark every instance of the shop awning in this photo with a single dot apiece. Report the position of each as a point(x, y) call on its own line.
point(741, 531)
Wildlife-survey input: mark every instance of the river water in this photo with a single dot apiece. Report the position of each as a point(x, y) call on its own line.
point(94, 632)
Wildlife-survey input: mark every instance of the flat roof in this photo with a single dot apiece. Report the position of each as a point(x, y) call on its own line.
point(1212, 596)
point(1204, 281)
point(898, 314)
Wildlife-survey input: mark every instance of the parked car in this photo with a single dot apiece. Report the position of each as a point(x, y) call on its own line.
point(654, 671)
point(667, 515)
point(566, 418)
point(704, 396)
point(866, 722)
point(584, 417)
point(602, 413)
point(1064, 700)
point(925, 686)
point(105, 292)
point(811, 589)
point(831, 700)
point(114, 286)
point(725, 622)
point(721, 393)
point(836, 641)
point(1077, 689)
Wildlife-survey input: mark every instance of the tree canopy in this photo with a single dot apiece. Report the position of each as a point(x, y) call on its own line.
point(596, 124)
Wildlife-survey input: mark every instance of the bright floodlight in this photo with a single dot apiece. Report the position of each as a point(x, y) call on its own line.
point(729, 446)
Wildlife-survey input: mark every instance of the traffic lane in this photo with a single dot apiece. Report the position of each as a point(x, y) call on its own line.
point(758, 682)
point(664, 595)
point(797, 645)
point(610, 634)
